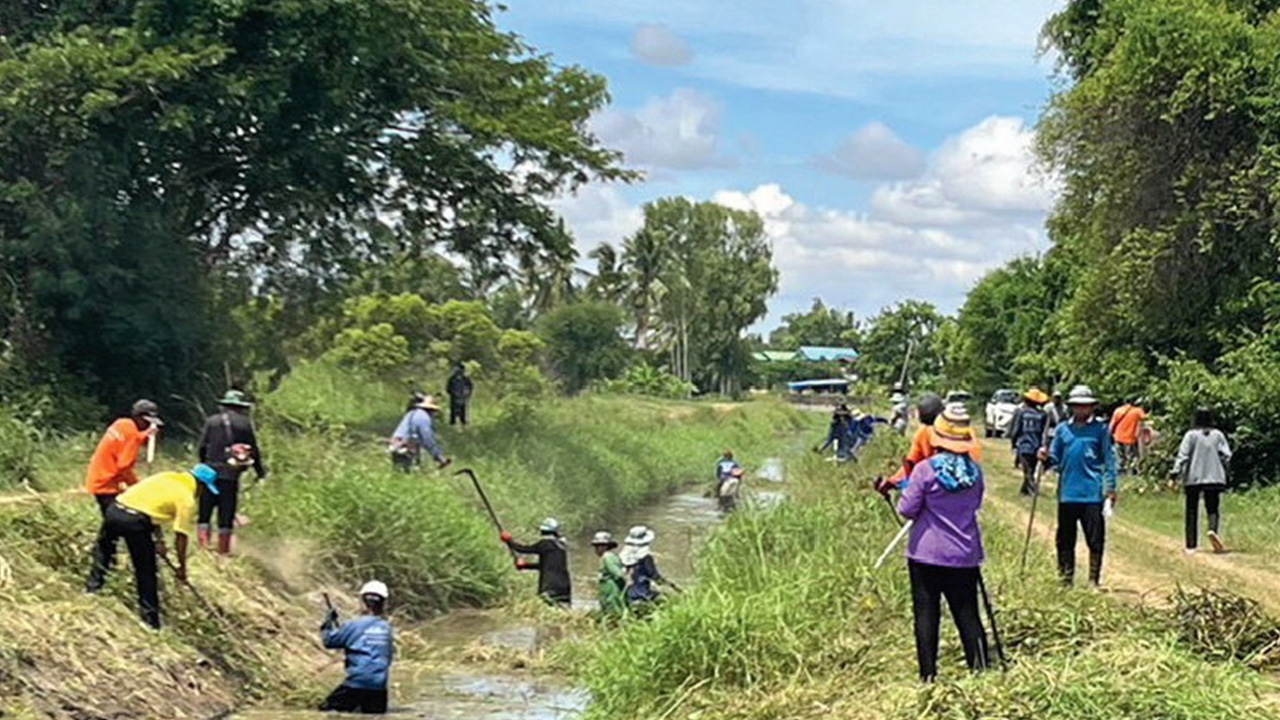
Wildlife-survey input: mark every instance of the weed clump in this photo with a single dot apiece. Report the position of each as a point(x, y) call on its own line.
point(1222, 626)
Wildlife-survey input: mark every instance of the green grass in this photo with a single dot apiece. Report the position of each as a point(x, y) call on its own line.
point(789, 620)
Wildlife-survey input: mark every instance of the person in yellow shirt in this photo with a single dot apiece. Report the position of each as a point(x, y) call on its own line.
point(139, 516)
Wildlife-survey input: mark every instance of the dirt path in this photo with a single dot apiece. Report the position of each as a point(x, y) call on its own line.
point(1141, 563)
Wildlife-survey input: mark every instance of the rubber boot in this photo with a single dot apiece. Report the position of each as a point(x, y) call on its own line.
point(202, 537)
point(224, 542)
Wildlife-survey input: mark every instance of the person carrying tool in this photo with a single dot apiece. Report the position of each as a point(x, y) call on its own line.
point(554, 585)
point(459, 388)
point(1202, 465)
point(112, 468)
point(1081, 452)
point(416, 432)
point(642, 569)
point(922, 446)
point(860, 430)
point(138, 516)
point(1026, 436)
point(369, 645)
point(1126, 426)
point(229, 445)
point(613, 576)
point(840, 419)
point(944, 551)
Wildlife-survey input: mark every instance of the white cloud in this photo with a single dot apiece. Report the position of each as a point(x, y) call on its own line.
point(679, 132)
point(598, 214)
point(874, 152)
point(986, 173)
point(656, 44)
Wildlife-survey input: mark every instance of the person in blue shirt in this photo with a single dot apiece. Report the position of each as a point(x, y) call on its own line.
point(1081, 452)
point(725, 467)
point(415, 433)
point(369, 643)
point(1026, 436)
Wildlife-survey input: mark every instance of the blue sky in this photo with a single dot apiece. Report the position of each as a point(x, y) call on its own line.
point(887, 145)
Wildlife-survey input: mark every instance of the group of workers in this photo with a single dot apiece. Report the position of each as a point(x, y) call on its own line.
point(941, 486)
point(849, 432)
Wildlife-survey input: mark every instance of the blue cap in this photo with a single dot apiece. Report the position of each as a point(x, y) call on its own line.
point(206, 475)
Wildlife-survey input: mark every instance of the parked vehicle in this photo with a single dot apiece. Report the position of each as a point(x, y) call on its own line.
point(1000, 409)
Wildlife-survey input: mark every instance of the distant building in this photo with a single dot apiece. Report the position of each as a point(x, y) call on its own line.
point(813, 353)
point(775, 356)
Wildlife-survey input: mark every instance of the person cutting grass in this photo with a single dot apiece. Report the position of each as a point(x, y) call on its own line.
point(552, 565)
point(229, 445)
point(139, 516)
point(369, 645)
point(613, 576)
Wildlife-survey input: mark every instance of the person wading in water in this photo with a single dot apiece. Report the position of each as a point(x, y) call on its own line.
point(554, 585)
point(369, 645)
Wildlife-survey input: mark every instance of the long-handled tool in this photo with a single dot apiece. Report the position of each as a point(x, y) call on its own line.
point(991, 618)
point(208, 607)
point(487, 506)
point(1031, 522)
point(902, 533)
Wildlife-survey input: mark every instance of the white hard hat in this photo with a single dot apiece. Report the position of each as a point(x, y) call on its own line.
point(375, 587)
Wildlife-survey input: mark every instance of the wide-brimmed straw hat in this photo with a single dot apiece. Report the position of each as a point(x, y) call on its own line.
point(427, 402)
point(952, 430)
point(1081, 395)
point(1036, 395)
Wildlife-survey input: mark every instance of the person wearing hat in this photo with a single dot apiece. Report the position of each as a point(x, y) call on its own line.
point(900, 418)
point(554, 585)
point(229, 445)
point(840, 419)
point(613, 576)
point(112, 468)
point(459, 388)
point(1056, 412)
point(1081, 452)
point(928, 410)
point(1026, 436)
point(369, 645)
point(944, 551)
point(642, 569)
point(416, 432)
point(138, 516)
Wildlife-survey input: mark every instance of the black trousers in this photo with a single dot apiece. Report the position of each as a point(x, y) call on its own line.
point(929, 584)
point(105, 501)
point(139, 537)
point(457, 412)
point(225, 502)
point(354, 700)
point(1089, 517)
point(1028, 463)
point(1212, 500)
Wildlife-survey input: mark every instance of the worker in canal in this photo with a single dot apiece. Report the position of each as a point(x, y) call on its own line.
point(552, 564)
point(138, 516)
point(613, 576)
point(840, 419)
point(642, 570)
point(369, 644)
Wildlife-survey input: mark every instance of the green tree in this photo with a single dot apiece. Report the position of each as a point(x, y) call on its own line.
point(821, 326)
point(151, 149)
point(903, 334)
point(585, 344)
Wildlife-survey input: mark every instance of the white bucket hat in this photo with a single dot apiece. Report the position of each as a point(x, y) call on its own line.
point(640, 536)
point(1081, 395)
point(550, 525)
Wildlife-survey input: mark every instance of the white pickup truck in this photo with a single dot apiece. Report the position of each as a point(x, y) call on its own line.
point(1000, 409)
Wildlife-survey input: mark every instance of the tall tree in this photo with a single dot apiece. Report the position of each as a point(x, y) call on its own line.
point(822, 325)
point(904, 335)
point(149, 148)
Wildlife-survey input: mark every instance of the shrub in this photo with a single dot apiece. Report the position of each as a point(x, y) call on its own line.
point(648, 380)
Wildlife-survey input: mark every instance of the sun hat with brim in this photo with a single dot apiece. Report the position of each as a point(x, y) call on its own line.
point(952, 431)
point(550, 526)
point(235, 398)
point(1036, 395)
point(604, 538)
point(640, 536)
point(1081, 395)
point(206, 476)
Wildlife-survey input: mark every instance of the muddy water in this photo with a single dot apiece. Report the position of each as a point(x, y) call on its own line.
point(681, 522)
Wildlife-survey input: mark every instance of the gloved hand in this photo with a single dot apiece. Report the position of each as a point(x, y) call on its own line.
point(884, 486)
point(505, 536)
point(330, 621)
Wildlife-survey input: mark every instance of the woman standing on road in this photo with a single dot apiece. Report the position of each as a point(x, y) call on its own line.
point(944, 553)
point(1202, 466)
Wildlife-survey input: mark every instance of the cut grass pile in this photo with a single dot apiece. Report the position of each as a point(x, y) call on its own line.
point(789, 621)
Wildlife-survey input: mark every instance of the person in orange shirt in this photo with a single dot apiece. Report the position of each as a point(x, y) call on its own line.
point(1126, 424)
point(922, 445)
point(111, 470)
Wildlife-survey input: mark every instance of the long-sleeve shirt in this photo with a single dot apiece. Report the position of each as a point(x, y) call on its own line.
point(221, 431)
point(613, 581)
point(1085, 460)
point(369, 643)
point(944, 529)
point(644, 573)
point(111, 468)
point(418, 431)
point(1026, 430)
point(459, 387)
point(1203, 457)
point(552, 567)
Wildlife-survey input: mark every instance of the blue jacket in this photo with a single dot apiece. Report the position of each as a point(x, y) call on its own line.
point(1085, 460)
point(1026, 430)
point(417, 429)
point(370, 645)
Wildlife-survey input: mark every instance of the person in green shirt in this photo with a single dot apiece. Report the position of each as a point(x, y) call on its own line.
point(613, 577)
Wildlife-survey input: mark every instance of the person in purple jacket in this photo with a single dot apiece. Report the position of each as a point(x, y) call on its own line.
point(944, 552)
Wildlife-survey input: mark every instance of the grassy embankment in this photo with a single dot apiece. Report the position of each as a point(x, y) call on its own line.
point(789, 620)
point(332, 514)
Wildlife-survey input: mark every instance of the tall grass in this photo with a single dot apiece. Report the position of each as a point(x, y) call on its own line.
point(789, 620)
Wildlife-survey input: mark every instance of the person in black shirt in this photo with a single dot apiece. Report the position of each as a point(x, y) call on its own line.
point(459, 389)
point(552, 564)
point(228, 445)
